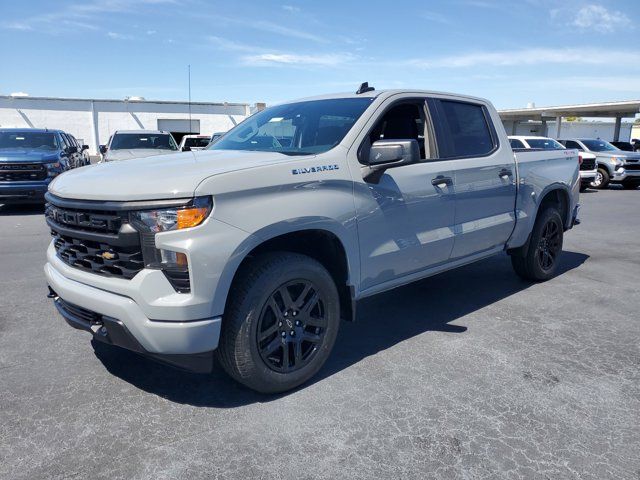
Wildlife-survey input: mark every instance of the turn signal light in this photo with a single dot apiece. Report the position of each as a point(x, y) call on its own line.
point(191, 217)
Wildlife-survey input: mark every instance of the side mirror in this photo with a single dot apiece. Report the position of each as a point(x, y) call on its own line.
point(385, 154)
point(186, 149)
point(85, 147)
point(103, 149)
point(71, 150)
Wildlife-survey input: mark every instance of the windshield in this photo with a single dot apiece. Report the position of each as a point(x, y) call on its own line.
point(196, 142)
point(29, 140)
point(599, 146)
point(544, 143)
point(302, 128)
point(132, 141)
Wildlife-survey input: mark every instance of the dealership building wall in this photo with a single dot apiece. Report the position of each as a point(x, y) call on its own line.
point(92, 121)
point(578, 129)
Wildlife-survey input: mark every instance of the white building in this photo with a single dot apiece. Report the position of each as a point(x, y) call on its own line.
point(92, 121)
point(575, 129)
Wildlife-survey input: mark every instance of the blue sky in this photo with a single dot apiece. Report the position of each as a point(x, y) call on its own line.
point(512, 52)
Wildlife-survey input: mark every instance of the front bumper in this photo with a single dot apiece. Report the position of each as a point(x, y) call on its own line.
point(588, 176)
point(123, 318)
point(23, 192)
point(621, 175)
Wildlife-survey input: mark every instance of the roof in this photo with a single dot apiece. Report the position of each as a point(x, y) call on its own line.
point(628, 108)
point(385, 94)
point(141, 131)
point(528, 137)
point(35, 130)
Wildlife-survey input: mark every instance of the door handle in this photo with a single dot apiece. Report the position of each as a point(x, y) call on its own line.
point(505, 173)
point(441, 181)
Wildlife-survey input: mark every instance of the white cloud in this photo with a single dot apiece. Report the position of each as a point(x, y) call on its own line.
point(151, 32)
point(291, 8)
point(119, 36)
point(326, 60)
point(600, 19)
point(232, 45)
point(436, 17)
point(530, 56)
point(79, 15)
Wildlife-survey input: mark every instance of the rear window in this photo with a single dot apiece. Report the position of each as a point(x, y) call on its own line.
point(544, 143)
point(515, 143)
point(466, 130)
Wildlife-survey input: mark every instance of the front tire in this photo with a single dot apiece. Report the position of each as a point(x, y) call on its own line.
point(281, 322)
point(539, 261)
point(602, 179)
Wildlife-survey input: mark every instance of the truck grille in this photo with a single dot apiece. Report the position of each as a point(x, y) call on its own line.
point(588, 164)
point(632, 166)
point(101, 242)
point(22, 172)
point(100, 258)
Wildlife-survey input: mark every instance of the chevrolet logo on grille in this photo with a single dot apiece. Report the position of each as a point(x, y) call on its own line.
point(108, 255)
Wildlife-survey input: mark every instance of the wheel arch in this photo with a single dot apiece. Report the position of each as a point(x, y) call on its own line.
point(326, 242)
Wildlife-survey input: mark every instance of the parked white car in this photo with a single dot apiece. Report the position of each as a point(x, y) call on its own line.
point(126, 144)
point(194, 142)
point(588, 165)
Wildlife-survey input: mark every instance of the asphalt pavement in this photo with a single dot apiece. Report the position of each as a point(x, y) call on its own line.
point(470, 374)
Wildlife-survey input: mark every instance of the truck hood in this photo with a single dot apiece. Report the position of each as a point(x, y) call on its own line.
point(28, 156)
point(159, 177)
point(126, 154)
point(621, 154)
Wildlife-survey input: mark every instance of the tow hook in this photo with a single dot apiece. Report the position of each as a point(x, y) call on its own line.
point(51, 293)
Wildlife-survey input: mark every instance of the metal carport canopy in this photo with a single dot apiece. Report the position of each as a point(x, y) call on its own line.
point(617, 110)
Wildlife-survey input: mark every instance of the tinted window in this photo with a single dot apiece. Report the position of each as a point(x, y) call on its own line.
point(599, 146)
point(572, 144)
point(516, 143)
point(466, 130)
point(196, 142)
point(301, 128)
point(26, 139)
point(544, 143)
point(134, 141)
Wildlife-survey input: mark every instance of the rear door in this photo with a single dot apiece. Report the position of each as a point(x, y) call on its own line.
point(484, 176)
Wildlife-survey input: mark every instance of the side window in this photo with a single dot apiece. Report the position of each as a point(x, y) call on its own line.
point(464, 130)
point(405, 121)
point(572, 144)
point(64, 143)
point(515, 143)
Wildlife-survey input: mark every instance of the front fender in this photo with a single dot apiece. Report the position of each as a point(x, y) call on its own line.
point(269, 232)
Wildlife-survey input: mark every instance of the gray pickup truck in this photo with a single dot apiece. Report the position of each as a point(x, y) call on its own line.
point(253, 249)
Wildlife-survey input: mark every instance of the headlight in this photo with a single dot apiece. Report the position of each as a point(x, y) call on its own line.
point(53, 169)
point(616, 160)
point(167, 219)
point(174, 265)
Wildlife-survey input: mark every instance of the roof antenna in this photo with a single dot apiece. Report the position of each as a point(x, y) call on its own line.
point(364, 87)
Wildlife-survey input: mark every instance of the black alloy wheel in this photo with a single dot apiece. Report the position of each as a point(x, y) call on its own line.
point(292, 326)
point(549, 245)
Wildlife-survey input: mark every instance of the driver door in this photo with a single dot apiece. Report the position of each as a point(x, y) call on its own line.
point(405, 220)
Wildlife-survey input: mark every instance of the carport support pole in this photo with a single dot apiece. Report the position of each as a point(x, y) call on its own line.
point(545, 128)
point(558, 126)
point(94, 126)
point(616, 130)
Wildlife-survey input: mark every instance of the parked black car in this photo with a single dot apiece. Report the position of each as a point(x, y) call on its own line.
point(626, 146)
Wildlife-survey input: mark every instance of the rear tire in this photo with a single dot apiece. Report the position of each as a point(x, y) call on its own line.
point(539, 260)
point(602, 179)
point(281, 322)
